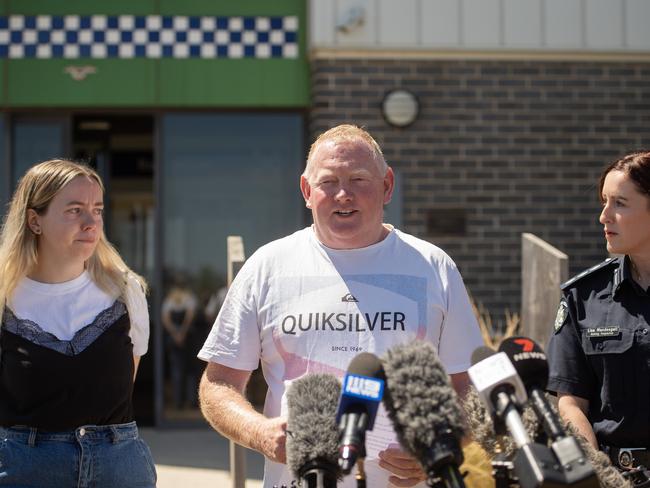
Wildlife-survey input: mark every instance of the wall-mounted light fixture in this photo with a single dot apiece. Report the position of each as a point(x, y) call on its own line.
point(352, 19)
point(400, 108)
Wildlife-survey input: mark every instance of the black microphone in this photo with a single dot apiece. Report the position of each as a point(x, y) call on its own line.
point(482, 430)
point(531, 365)
point(503, 393)
point(363, 388)
point(312, 447)
point(425, 411)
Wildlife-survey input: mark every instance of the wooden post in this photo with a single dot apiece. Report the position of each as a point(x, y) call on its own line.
point(236, 258)
point(543, 269)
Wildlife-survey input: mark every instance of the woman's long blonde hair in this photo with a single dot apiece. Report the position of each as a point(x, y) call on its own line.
point(19, 246)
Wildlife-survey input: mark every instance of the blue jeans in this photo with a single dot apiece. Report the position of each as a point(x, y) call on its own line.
point(91, 456)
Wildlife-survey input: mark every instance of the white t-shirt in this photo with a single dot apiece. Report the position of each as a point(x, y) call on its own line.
point(300, 307)
point(62, 309)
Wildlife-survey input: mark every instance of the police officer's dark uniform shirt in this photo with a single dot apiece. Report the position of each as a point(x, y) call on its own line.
point(600, 351)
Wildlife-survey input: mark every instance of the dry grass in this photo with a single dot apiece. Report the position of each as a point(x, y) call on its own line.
point(491, 336)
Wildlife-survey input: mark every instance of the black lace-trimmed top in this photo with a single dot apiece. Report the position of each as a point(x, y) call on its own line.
point(81, 340)
point(58, 385)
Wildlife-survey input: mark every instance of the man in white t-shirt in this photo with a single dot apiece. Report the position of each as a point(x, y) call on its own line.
point(310, 302)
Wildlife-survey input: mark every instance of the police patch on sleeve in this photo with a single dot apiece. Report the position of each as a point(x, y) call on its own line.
point(562, 312)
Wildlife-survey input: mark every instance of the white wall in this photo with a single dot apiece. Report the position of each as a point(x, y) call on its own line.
point(481, 25)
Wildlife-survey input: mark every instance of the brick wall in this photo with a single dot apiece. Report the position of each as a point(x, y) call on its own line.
point(516, 146)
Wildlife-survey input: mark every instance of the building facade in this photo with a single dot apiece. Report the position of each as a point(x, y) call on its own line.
point(520, 104)
point(194, 114)
point(497, 116)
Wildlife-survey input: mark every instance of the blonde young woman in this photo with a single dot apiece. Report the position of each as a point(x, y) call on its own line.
point(74, 325)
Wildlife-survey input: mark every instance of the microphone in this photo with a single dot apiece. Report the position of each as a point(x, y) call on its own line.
point(530, 362)
point(425, 411)
point(531, 365)
point(503, 393)
point(501, 390)
point(481, 424)
point(363, 388)
point(608, 475)
point(480, 415)
point(311, 430)
point(482, 429)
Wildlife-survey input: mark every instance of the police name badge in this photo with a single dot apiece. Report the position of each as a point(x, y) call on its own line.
point(610, 331)
point(562, 312)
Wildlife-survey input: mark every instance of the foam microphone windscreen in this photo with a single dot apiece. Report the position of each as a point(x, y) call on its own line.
point(608, 475)
point(482, 431)
point(419, 399)
point(312, 433)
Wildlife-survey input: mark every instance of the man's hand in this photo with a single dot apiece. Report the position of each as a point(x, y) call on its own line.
point(407, 469)
point(223, 404)
point(273, 439)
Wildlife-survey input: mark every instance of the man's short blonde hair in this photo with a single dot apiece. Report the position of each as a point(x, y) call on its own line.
point(346, 133)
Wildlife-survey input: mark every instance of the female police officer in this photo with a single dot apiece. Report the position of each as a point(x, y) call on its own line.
point(600, 351)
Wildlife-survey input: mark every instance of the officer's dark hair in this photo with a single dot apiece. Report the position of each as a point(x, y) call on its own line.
point(636, 166)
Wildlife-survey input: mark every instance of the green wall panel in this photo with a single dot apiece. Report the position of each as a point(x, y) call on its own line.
point(230, 7)
point(44, 83)
point(181, 83)
point(160, 82)
point(167, 7)
point(234, 83)
point(80, 7)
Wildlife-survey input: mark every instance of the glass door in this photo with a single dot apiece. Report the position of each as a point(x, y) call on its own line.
point(221, 174)
point(37, 138)
point(121, 148)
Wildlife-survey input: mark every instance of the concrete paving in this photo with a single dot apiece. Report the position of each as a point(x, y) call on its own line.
point(196, 457)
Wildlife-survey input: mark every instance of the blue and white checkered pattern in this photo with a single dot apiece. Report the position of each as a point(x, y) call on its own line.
point(147, 36)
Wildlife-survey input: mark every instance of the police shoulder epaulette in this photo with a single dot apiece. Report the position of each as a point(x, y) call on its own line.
point(587, 272)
